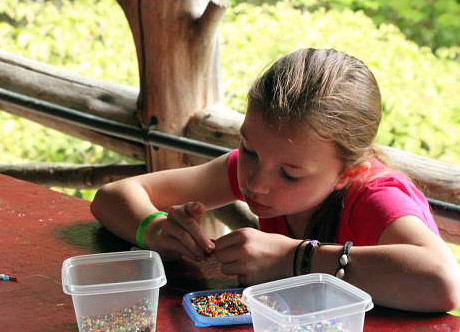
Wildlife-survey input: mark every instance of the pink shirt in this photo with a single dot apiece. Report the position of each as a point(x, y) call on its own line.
point(368, 208)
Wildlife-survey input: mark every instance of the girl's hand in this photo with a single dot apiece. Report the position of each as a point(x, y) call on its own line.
point(255, 256)
point(180, 234)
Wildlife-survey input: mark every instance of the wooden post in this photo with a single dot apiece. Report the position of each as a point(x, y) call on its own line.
point(177, 50)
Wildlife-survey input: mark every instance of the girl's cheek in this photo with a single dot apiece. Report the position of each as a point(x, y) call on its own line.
point(244, 166)
point(242, 174)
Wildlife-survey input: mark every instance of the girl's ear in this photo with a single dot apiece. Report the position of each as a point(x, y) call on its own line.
point(350, 173)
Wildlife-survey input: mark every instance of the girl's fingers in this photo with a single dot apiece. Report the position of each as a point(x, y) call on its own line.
point(189, 221)
point(235, 238)
point(239, 269)
point(227, 254)
point(178, 233)
point(234, 268)
point(195, 209)
point(172, 245)
point(243, 280)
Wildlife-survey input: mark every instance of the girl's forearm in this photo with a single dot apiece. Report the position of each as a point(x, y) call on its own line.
point(120, 207)
point(400, 276)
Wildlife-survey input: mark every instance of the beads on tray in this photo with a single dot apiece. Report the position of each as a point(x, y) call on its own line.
point(219, 305)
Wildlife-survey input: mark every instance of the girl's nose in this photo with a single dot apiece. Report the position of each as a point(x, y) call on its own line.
point(258, 182)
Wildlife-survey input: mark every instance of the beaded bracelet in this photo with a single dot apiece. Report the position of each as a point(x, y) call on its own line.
point(307, 256)
point(343, 260)
point(143, 226)
point(296, 255)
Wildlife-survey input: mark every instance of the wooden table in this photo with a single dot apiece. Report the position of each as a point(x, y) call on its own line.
point(39, 228)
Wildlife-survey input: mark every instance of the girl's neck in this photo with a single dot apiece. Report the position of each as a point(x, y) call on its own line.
point(297, 223)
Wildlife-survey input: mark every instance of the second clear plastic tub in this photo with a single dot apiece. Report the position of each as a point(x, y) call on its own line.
point(314, 303)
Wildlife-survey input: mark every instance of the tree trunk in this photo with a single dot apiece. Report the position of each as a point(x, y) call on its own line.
point(177, 49)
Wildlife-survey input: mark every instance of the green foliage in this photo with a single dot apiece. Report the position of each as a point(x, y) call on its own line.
point(419, 89)
point(431, 23)
point(85, 37)
point(434, 24)
point(22, 140)
point(87, 194)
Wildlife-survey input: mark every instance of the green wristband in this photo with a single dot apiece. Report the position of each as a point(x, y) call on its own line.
point(143, 226)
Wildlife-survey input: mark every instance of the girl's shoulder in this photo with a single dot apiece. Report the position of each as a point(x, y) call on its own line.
point(381, 175)
point(376, 200)
point(381, 178)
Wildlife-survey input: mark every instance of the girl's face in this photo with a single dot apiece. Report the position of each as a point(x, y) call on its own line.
point(285, 171)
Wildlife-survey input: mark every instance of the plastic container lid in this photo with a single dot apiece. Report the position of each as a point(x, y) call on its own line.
point(332, 296)
point(201, 320)
point(112, 272)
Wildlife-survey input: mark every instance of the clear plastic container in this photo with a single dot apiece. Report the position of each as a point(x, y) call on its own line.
point(310, 303)
point(115, 291)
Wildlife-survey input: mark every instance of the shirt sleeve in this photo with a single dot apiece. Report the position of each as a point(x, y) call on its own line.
point(377, 208)
point(232, 171)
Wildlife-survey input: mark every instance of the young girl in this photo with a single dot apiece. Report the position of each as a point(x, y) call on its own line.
point(325, 201)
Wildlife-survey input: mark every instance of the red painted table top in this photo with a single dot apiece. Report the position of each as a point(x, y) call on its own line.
point(39, 228)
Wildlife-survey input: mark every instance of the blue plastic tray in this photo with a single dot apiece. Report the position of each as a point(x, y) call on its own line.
point(201, 320)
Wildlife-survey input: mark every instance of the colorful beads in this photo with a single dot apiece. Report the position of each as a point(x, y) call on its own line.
point(141, 317)
point(219, 305)
point(324, 326)
point(6, 277)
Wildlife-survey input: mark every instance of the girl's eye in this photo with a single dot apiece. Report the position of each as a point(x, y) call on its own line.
point(248, 152)
point(288, 177)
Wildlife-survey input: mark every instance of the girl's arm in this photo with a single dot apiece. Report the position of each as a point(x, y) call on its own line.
point(120, 206)
point(411, 268)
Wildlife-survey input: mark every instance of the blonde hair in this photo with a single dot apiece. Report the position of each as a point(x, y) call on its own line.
point(333, 93)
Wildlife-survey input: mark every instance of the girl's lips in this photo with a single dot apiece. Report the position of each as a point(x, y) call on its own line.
point(255, 205)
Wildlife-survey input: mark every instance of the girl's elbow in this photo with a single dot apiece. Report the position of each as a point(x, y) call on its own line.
point(95, 205)
point(452, 296)
point(447, 289)
point(99, 202)
point(450, 300)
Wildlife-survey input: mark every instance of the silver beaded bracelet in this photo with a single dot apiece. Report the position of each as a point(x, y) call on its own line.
point(343, 260)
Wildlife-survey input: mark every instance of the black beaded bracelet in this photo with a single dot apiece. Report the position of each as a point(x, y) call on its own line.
point(343, 260)
point(296, 255)
point(307, 256)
